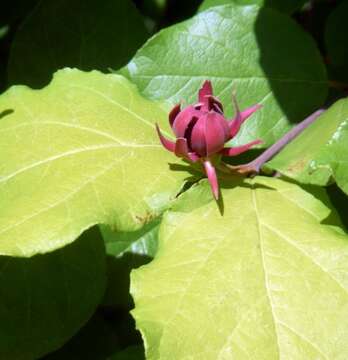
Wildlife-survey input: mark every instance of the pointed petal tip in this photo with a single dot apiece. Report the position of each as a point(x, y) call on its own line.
point(234, 96)
point(233, 151)
point(212, 178)
point(204, 91)
point(174, 113)
point(240, 117)
point(216, 194)
point(169, 145)
point(245, 114)
point(207, 84)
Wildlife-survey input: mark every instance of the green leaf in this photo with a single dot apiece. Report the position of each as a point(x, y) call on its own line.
point(339, 200)
point(79, 152)
point(287, 6)
point(75, 33)
point(267, 280)
point(131, 353)
point(111, 328)
point(95, 341)
point(44, 300)
point(141, 242)
point(118, 270)
point(236, 47)
point(3, 31)
point(14, 11)
point(335, 35)
point(320, 152)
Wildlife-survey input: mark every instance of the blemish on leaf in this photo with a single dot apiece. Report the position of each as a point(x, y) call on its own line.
point(298, 165)
point(146, 218)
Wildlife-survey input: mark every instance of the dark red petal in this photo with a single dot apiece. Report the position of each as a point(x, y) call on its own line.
point(183, 120)
point(204, 91)
point(217, 106)
point(212, 178)
point(245, 114)
point(173, 114)
point(214, 104)
point(197, 140)
point(181, 150)
point(240, 117)
point(215, 132)
point(233, 151)
point(169, 145)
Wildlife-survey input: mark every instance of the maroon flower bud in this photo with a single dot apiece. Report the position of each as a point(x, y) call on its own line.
point(202, 130)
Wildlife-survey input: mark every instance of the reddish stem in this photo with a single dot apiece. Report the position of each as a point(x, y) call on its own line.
point(254, 166)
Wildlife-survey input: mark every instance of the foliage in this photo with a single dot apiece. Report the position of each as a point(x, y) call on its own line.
point(318, 162)
point(287, 6)
point(113, 248)
point(258, 273)
point(221, 45)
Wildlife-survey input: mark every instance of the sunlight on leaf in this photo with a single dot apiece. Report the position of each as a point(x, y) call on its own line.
point(237, 48)
point(267, 280)
point(79, 152)
point(320, 152)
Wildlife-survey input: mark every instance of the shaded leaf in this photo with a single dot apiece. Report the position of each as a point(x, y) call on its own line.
point(237, 48)
point(44, 300)
point(99, 339)
point(14, 11)
point(95, 341)
point(287, 6)
point(75, 33)
point(131, 353)
point(320, 152)
point(267, 280)
point(142, 241)
point(336, 37)
point(118, 270)
point(3, 31)
point(79, 152)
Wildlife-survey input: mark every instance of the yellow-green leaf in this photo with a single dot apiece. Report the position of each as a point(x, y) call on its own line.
point(267, 280)
point(81, 151)
point(319, 154)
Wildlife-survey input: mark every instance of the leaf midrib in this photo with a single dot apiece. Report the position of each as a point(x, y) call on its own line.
point(65, 198)
point(306, 255)
point(258, 223)
point(72, 153)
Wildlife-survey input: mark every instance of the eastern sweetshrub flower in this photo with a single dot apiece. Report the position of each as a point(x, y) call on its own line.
point(202, 130)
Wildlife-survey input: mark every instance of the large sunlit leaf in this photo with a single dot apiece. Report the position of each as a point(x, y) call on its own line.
point(238, 48)
point(320, 152)
point(268, 279)
point(79, 152)
point(287, 6)
point(44, 300)
point(75, 33)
